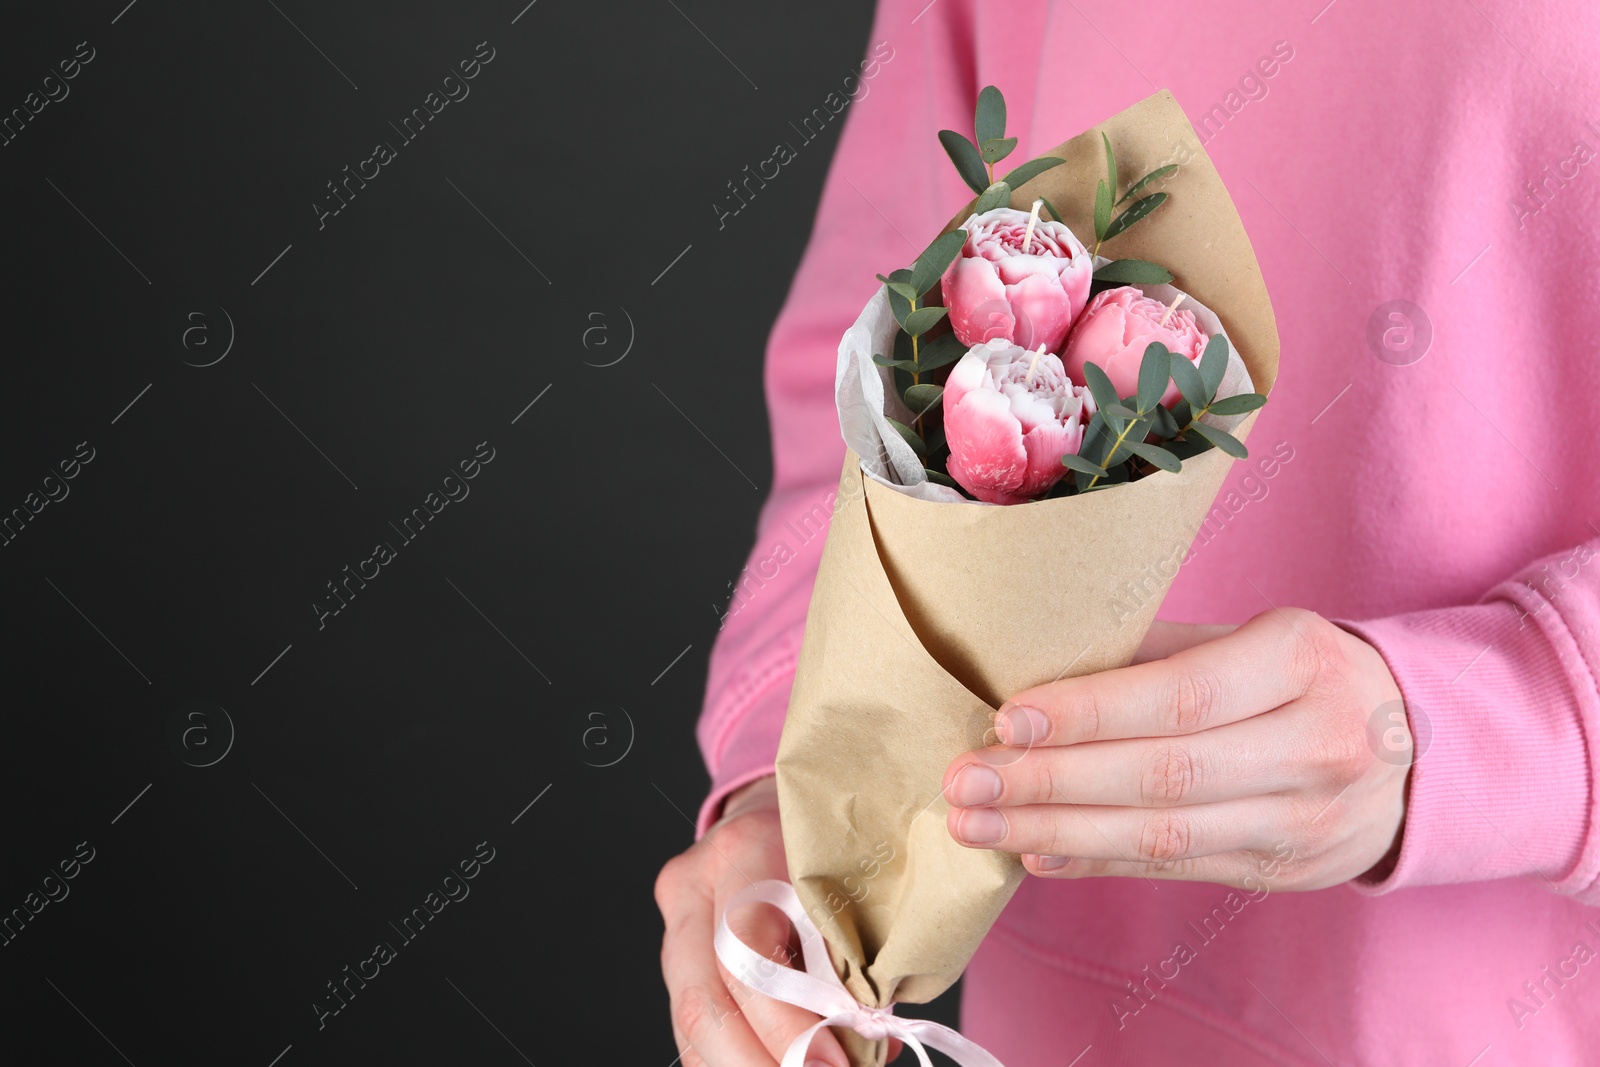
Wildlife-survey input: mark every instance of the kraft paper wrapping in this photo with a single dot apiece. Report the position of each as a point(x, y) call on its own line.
point(928, 614)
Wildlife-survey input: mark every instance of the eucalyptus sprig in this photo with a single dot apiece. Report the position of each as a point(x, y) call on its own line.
point(1199, 390)
point(907, 288)
point(1106, 227)
point(1139, 428)
point(975, 159)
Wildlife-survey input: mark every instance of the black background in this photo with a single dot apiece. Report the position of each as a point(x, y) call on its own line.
point(557, 618)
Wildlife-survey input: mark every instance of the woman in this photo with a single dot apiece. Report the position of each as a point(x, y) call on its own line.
point(1225, 869)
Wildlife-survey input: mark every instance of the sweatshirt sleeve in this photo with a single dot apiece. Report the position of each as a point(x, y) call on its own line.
point(888, 192)
point(1504, 709)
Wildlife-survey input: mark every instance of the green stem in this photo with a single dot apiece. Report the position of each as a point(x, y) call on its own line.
point(1194, 418)
point(1120, 438)
point(916, 375)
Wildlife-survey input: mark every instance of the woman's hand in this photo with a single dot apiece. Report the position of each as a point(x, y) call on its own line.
point(716, 1021)
point(1237, 751)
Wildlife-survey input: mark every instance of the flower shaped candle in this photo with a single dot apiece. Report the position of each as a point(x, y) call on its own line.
point(1018, 278)
point(1010, 415)
point(1116, 328)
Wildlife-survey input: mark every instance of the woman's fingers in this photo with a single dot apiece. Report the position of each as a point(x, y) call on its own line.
point(1255, 873)
point(1186, 766)
point(776, 1023)
point(709, 1026)
point(1257, 756)
point(1158, 836)
point(717, 1020)
point(1204, 686)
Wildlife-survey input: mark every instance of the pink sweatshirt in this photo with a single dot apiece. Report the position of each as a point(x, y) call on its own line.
point(1438, 153)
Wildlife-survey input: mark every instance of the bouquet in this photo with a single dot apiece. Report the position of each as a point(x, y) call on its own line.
point(1036, 431)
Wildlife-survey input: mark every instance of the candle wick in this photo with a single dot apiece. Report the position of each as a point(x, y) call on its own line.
point(1170, 309)
point(1033, 220)
point(1027, 382)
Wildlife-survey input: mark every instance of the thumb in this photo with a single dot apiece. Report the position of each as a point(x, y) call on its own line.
point(1167, 638)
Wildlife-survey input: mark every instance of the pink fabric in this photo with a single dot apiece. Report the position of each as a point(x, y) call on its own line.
point(1393, 153)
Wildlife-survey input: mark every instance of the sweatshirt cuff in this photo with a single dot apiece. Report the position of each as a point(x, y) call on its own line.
point(1500, 780)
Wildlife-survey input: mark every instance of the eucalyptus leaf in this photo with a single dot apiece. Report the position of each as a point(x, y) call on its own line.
point(922, 320)
point(1123, 430)
point(1102, 210)
point(1136, 211)
point(902, 380)
point(903, 288)
point(940, 478)
point(922, 398)
point(996, 149)
point(1238, 405)
point(1154, 176)
point(910, 436)
point(1121, 411)
point(1157, 456)
point(1093, 436)
point(1188, 379)
point(939, 352)
point(1192, 445)
point(1100, 387)
point(1048, 205)
point(964, 154)
point(1111, 164)
point(900, 306)
point(1032, 169)
point(997, 195)
point(1222, 439)
point(1132, 272)
point(1155, 371)
point(1137, 430)
point(904, 364)
point(925, 273)
point(989, 120)
point(1166, 425)
point(1081, 465)
point(1214, 364)
point(1182, 415)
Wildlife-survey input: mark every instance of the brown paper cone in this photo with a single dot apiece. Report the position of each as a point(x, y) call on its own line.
point(927, 615)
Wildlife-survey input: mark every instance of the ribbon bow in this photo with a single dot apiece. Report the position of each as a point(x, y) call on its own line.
point(817, 989)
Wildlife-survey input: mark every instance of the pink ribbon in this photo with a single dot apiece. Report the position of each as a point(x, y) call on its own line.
point(817, 989)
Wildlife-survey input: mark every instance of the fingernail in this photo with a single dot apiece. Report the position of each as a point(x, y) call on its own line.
point(1053, 863)
point(1022, 726)
point(974, 785)
point(981, 826)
